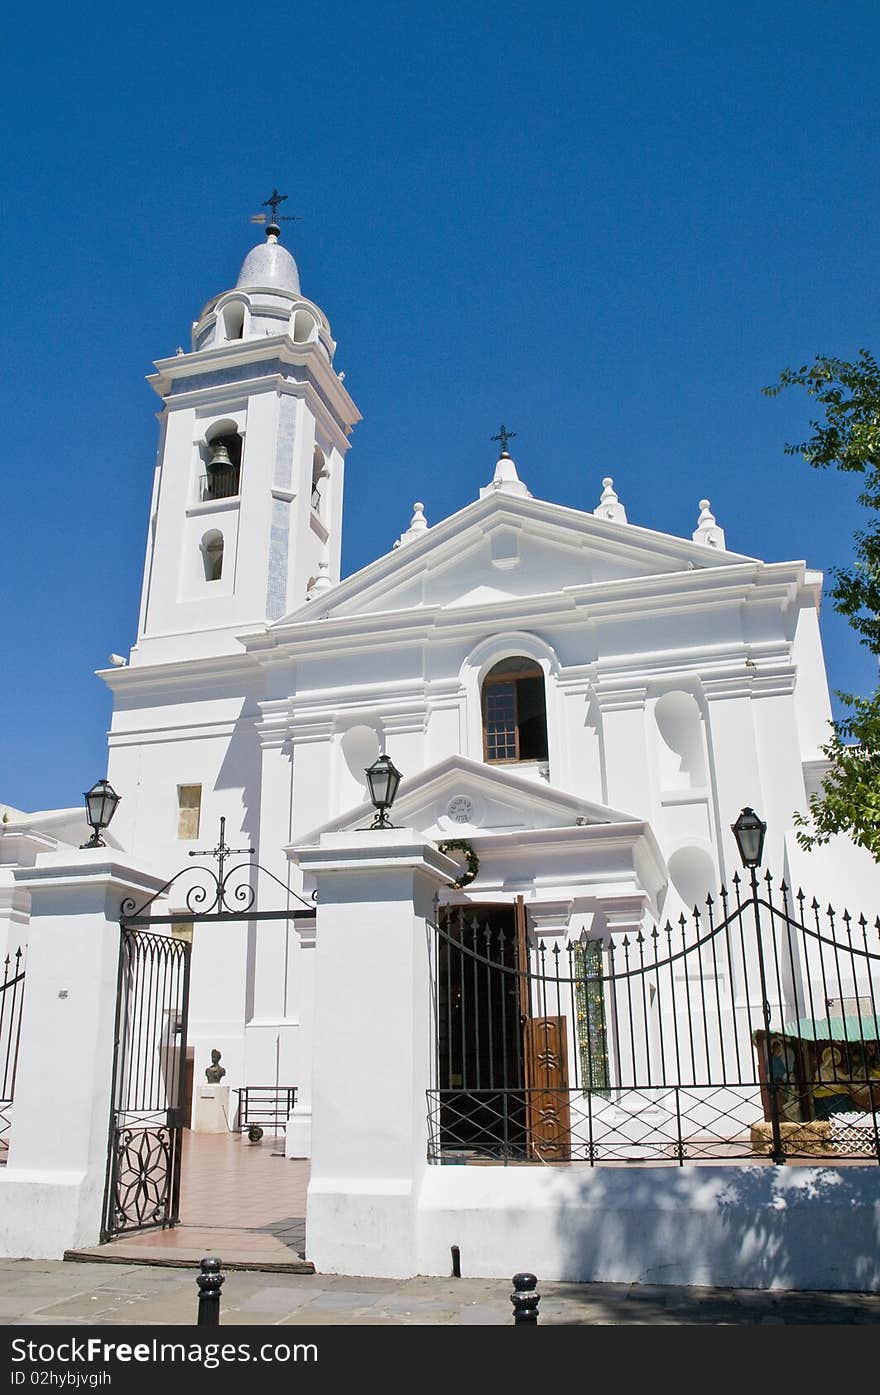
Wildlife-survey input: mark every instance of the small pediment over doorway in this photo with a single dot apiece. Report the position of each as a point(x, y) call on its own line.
point(551, 847)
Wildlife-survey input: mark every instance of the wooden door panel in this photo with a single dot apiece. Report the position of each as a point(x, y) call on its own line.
point(547, 1107)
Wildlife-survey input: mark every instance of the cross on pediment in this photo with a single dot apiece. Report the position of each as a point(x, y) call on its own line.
point(503, 436)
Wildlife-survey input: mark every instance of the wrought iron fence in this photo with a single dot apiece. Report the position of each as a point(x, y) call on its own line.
point(11, 1000)
point(748, 1029)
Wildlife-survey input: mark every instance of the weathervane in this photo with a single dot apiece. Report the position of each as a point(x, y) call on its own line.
point(273, 202)
point(503, 436)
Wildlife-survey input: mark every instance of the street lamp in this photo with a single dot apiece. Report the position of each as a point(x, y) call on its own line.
point(383, 779)
point(101, 801)
point(749, 833)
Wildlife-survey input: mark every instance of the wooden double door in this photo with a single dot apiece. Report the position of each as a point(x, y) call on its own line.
point(503, 1064)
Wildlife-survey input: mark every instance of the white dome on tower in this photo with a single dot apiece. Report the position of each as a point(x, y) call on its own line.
point(266, 301)
point(269, 265)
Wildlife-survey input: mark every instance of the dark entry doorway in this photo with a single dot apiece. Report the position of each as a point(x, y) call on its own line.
point(480, 1029)
point(502, 1060)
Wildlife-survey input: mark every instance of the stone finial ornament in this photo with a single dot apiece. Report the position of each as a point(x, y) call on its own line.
point(418, 525)
point(610, 506)
point(506, 480)
point(214, 1073)
point(322, 581)
point(707, 531)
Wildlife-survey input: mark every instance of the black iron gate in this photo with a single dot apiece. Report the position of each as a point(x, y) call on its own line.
point(149, 1067)
point(146, 1115)
point(749, 1029)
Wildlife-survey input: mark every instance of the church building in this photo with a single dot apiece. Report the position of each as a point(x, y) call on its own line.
point(579, 708)
point(587, 703)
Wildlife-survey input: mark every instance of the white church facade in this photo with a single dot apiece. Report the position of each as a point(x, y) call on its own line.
point(585, 703)
point(678, 681)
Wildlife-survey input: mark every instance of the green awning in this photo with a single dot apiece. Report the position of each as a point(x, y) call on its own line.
point(849, 1028)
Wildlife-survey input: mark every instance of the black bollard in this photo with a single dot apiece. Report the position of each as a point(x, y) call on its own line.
point(456, 1262)
point(525, 1299)
point(210, 1282)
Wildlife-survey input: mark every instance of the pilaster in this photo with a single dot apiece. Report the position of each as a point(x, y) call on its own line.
point(52, 1190)
point(372, 1056)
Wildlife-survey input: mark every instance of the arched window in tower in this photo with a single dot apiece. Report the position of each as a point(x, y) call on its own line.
point(233, 320)
point(319, 473)
point(212, 555)
point(222, 453)
point(514, 711)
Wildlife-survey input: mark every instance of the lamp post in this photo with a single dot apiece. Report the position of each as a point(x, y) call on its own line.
point(383, 779)
point(101, 801)
point(749, 831)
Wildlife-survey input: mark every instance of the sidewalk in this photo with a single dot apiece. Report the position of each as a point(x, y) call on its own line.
point(51, 1291)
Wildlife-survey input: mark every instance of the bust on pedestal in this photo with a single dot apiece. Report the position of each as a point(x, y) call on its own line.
point(211, 1105)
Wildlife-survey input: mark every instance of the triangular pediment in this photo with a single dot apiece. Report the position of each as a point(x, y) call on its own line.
point(459, 797)
point(504, 548)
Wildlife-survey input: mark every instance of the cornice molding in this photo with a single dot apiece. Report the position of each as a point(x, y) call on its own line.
point(605, 602)
point(779, 682)
point(182, 673)
point(306, 731)
point(193, 731)
point(216, 396)
point(400, 723)
point(620, 699)
point(687, 560)
point(254, 351)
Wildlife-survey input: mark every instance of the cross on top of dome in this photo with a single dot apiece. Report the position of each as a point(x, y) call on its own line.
point(273, 229)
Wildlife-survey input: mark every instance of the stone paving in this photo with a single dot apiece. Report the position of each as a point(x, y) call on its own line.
point(247, 1205)
point(41, 1292)
point(246, 1202)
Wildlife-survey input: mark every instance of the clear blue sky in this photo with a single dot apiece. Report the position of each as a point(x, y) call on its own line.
point(607, 225)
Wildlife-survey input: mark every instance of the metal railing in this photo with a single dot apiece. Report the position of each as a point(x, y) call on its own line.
point(266, 1105)
point(11, 1000)
point(713, 1038)
point(220, 484)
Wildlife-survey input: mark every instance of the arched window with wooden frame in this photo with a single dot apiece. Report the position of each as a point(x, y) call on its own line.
point(514, 711)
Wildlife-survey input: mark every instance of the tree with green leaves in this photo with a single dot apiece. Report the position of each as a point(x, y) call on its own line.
point(847, 437)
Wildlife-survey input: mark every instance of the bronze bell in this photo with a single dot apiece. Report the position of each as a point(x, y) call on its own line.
point(219, 457)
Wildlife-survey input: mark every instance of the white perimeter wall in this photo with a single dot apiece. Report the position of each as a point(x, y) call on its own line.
point(731, 1227)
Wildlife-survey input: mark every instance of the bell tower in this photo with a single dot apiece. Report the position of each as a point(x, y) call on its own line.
point(246, 510)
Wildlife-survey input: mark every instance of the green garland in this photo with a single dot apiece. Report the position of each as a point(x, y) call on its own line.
point(473, 862)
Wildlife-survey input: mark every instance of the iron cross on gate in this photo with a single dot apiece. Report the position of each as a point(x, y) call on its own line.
point(221, 852)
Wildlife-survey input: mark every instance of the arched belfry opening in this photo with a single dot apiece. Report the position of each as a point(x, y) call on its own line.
point(320, 472)
point(222, 454)
point(233, 320)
